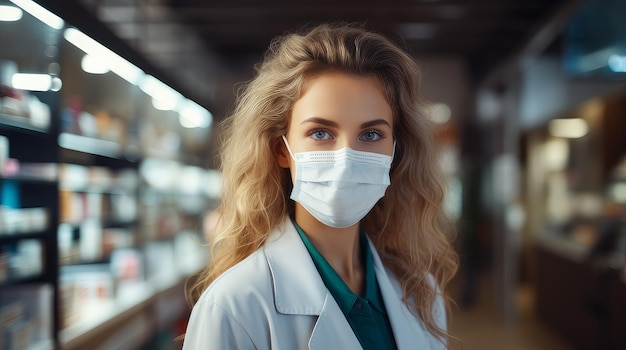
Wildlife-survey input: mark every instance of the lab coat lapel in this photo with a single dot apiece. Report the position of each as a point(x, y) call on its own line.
point(332, 330)
point(299, 290)
point(408, 331)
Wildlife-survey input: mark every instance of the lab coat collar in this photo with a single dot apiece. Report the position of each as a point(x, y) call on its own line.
point(299, 290)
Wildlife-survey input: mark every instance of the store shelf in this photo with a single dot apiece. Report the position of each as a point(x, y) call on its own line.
point(30, 279)
point(119, 223)
point(13, 122)
point(90, 145)
point(95, 146)
point(8, 238)
point(23, 222)
point(104, 326)
point(42, 345)
point(563, 246)
point(85, 166)
point(102, 190)
point(43, 180)
point(105, 223)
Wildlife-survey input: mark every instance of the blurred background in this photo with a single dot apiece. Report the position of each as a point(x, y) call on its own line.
point(108, 177)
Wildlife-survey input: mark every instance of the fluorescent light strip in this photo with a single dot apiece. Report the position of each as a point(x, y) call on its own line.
point(192, 115)
point(10, 13)
point(32, 82)
point(93, 65)
point(164, 98)
point(40, 13)
point(114, 62)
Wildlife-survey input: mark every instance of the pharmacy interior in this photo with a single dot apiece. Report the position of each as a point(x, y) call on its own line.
point(554, 176)
point(104, 182)
point(103, 187)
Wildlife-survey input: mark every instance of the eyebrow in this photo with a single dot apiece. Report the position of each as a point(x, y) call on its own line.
point(318, 120)
point(375, 122)
point(331, 123)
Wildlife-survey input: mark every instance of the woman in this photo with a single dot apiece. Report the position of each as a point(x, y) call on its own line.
point(330, 232)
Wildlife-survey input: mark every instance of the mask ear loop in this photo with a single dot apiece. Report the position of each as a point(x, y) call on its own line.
point(289, 149)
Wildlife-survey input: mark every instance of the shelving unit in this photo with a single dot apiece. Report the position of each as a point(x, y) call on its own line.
point(28, 191)
point(13, 122)
point(110, 240)
point(28, 253)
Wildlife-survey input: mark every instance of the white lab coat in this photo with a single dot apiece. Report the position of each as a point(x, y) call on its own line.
point(276, 299)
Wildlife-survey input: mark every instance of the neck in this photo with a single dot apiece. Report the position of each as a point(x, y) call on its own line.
point(339, 246)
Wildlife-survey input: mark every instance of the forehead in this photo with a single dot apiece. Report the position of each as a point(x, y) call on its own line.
point(334, 94)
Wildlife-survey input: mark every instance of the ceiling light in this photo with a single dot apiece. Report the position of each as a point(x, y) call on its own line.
point(192, 115)
point(93, 65)
point(439, 113)
point(10, 13)
point(164, 98)
point(571, 128)
point(116, 63)
point(40, 13)
point(32, 82)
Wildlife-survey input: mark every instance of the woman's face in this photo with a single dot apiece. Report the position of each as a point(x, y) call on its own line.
point(340, 110)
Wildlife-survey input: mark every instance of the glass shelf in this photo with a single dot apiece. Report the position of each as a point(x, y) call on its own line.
point(8, 238)
point(30, 179)
point(19, 123)
point(97, 147)
point(90, 145)
point(27, 279)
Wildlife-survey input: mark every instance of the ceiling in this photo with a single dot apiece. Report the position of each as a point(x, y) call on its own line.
point(483, 31)
point(200, 42)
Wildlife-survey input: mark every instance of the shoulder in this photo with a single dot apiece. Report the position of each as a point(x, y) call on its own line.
point(234, 310)
point(246, 282)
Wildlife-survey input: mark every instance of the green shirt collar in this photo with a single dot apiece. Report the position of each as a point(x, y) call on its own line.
point(336, 286)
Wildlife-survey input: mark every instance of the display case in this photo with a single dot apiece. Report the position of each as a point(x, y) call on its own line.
point(28, 180)
point(103, 190)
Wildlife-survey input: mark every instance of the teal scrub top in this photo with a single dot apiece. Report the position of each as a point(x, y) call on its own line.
point(366, 315)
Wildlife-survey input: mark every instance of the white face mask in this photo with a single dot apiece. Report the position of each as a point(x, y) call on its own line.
point(339, 187)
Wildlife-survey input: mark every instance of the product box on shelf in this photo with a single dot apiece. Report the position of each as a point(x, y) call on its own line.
point(25, 317)
point(19, 105)
point(161, 264)
point(22, 259)
point(26, 220)
point(128, 271)
point(85, 291)
point(4, 152)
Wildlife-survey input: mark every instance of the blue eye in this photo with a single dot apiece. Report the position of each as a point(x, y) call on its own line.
point(320, 134)
point(371, 135)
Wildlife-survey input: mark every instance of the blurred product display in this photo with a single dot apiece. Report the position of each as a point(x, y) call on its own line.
point(552, 180)
point(102, 193)
point(576, 197)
